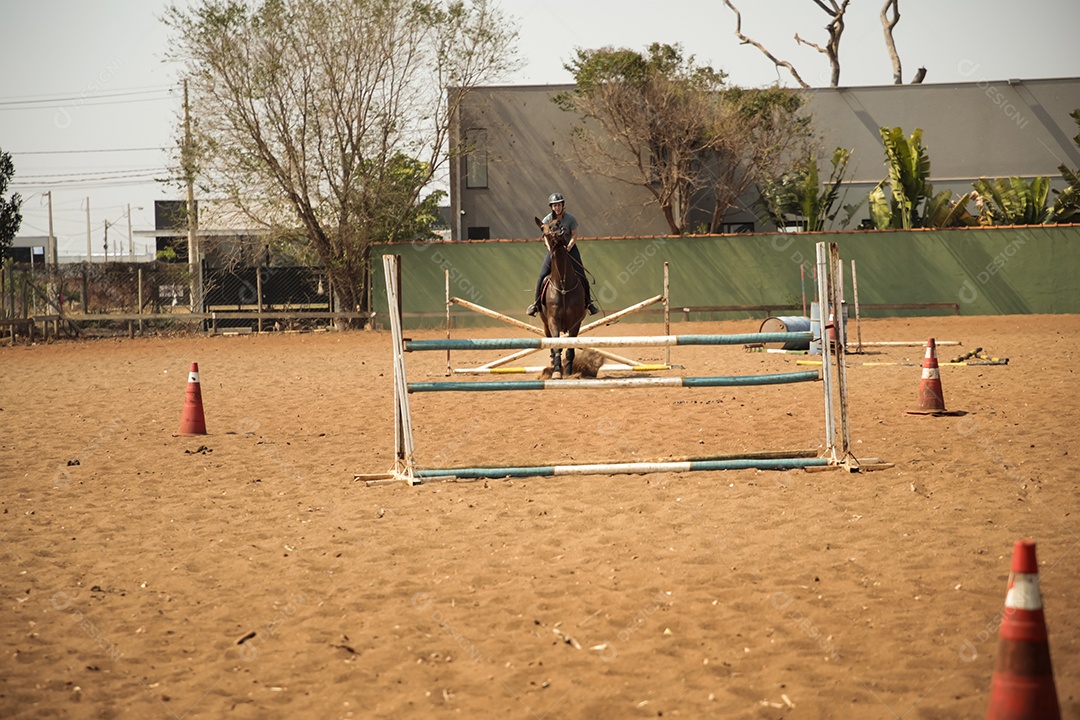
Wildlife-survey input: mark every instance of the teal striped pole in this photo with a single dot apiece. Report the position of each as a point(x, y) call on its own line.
point(602, 342)
point(623, 468)
point(608, 383)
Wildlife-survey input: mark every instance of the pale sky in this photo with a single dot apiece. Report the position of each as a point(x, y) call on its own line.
point(88, 108)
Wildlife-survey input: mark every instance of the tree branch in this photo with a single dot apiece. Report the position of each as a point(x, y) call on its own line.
point(836, 30)
point(887, 25)
point(801, 41)
point(747, 41)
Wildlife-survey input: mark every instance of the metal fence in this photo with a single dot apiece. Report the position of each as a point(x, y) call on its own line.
point(115, 298)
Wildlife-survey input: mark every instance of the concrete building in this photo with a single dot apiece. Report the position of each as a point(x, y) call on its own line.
point(974, 129)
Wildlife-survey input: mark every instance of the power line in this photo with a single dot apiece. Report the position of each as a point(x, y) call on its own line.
point(72, 152)
point(102, 173)
point(115, 181)
point(83, 104)
point(46, 99)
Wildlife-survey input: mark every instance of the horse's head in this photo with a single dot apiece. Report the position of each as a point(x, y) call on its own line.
point(554, 232)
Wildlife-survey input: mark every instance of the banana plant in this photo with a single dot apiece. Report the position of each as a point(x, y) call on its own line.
point(1014, 201)
point(1067, 202)
point(908, 180)
point(799, 193)
point(942, 211)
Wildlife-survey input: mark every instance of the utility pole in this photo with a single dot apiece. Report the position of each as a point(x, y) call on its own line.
point(50, 252)
point(131, 238)
point(89, 250)
point(106, 241)
point(194, 261)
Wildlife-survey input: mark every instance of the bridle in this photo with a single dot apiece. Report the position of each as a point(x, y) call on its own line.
point(559, 240)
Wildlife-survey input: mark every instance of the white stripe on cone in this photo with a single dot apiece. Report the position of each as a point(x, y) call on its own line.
point(931, 374)
point(1024, 593)
point(193, 377)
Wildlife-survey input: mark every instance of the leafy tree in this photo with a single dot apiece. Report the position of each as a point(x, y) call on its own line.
point(324, 120)
point(10, 209)
point(645, 121)
point(660, 121)
point(798, 194)
point(757, 134)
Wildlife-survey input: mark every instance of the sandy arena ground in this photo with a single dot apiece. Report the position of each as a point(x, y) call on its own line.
point(246, 574)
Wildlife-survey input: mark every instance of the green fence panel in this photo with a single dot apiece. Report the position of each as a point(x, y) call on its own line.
point(984, 271)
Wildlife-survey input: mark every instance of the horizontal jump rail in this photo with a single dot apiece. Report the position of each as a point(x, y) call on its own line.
point(623, 468)
point(608, 383)
point(528, 369)
point(595, 342)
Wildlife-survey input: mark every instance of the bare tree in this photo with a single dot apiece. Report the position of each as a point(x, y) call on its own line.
point(887, 25)
point(747, 41)
point(325, 120)
point(836, 12)
point(836, 30)
point(757, 134)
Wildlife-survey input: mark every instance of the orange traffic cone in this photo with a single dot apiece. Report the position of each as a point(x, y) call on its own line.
point(931, 399)
point(192, 421)
point(1023, 682)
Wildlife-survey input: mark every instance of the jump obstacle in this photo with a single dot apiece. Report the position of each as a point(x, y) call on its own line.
point(837, 438)
point(620, 363)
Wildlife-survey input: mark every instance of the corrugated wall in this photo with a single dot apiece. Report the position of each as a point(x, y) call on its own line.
point(987, 271)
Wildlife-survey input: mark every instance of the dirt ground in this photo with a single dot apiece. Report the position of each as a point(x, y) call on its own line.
point(247, 574)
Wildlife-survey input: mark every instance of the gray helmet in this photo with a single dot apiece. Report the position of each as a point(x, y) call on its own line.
point(556, 198)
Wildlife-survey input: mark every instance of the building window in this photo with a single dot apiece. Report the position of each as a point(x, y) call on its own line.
point(476, 159)
point(479, 233)
point(737, 227)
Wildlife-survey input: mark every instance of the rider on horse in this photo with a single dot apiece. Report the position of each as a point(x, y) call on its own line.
point(569, 223)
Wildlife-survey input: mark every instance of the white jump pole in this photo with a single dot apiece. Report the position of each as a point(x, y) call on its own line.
point(855, 299)
point(446, 276)
point(667, 313)
point(837, 271)
point(826, 351)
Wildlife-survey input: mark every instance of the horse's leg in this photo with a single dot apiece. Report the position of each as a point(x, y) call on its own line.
point(556, 363)
point(570, 352)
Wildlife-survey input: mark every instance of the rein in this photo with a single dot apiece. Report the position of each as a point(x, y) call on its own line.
point(556, 269)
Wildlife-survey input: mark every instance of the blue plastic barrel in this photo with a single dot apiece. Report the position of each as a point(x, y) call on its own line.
point(787, 324)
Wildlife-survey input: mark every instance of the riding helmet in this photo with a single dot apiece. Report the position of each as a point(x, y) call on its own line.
point(556, 198)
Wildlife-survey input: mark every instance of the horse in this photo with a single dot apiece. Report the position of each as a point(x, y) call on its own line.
point(562, 304)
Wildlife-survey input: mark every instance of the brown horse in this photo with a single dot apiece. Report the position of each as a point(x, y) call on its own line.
point(562, 306)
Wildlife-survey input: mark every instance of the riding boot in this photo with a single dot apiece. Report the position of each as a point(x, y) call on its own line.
point(588, 298)
point(537, 294)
